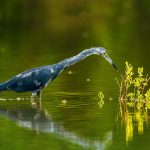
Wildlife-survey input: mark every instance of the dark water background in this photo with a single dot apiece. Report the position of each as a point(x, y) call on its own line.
point(35, 33)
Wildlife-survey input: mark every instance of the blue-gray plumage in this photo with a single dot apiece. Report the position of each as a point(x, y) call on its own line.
point(34, 80)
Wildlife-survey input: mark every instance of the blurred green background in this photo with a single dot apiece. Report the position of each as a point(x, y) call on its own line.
point(40, 32)
point(56, 29)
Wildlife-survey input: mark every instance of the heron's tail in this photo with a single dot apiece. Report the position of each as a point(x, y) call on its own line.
point(3, 86)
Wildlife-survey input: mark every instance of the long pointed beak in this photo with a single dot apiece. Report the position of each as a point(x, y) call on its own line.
point(110, 61)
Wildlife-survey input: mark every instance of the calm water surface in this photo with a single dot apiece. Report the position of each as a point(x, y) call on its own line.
point(70, 117)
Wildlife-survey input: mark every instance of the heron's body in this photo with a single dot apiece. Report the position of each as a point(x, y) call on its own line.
point(34, 80)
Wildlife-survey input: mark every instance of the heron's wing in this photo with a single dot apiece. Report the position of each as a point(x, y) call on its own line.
point(30, 80)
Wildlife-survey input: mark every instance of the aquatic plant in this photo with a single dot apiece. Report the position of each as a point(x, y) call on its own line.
point(64, 102)
point(134, 88)
point(134, 100)
point(101, 96)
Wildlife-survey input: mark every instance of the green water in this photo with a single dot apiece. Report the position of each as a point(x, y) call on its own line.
point(36, 33)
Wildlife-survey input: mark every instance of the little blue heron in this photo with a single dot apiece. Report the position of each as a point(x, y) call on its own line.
point(34, 80)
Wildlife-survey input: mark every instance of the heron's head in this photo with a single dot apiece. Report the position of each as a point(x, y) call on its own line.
point(101, 51)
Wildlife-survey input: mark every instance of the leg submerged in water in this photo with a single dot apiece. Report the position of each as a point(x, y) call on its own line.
point(39, 98)
point(39, 94)
point(33, 102)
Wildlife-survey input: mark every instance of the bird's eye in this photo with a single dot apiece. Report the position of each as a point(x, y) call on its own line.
point(104, 53)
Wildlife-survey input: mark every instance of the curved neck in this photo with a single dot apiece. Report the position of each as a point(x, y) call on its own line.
point(72, 60)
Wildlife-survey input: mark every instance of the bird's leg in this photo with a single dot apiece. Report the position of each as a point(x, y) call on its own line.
point(39, 94)
point(32, 99)
point(33, 95)
point(39, 97)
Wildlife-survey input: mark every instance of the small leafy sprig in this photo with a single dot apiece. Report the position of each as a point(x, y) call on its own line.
point(101, 102)
point(134, 88)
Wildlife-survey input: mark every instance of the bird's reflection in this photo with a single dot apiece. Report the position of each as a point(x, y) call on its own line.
point(38, 119)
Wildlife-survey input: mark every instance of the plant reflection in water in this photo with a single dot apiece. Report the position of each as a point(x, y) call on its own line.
point(132, 119)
